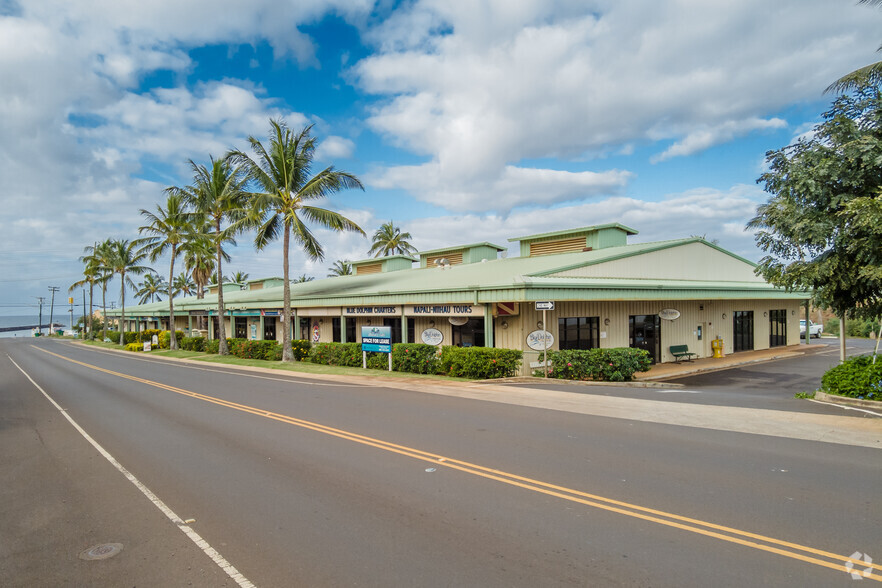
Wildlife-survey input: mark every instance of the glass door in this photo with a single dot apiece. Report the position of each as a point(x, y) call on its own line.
point(743, 330)
point(645, 333)
point(777, 328)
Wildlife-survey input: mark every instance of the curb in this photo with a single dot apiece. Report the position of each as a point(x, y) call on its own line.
point(704, 370)
point(537, 381)
point(845, 400)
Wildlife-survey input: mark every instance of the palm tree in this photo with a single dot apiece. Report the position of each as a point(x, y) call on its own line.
point(869, 75)
point(198, 255)
point(102, 254)
point(302, 278)
point(283, 172)
point(92, 275)
point(166, 231)
point(389, 240)
point(218, 197)
point(150, 288)
point(340, 268)
point(183, 284)
point(238, 277)
point(126, 259)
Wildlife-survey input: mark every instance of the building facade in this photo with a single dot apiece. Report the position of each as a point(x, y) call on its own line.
point(605, 293)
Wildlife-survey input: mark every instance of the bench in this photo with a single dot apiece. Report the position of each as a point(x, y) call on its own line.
point(682, 352)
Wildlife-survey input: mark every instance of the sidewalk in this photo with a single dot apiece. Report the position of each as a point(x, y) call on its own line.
point(666, 371)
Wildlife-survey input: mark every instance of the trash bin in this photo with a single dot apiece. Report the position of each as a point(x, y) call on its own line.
point(717, 346)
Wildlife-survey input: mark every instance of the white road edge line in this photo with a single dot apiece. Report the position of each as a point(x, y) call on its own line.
point(211, 552)
point(843, 407)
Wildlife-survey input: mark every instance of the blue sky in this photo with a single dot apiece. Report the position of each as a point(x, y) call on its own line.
point(466, 120)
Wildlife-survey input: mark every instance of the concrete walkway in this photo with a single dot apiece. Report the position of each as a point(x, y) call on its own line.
point(667, 371)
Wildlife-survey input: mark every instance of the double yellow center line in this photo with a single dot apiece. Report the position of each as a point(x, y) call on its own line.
point(761, 542)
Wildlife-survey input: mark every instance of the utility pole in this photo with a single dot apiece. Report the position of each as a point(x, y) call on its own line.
point(84, 318)
point(52, 289)
point(41, 299)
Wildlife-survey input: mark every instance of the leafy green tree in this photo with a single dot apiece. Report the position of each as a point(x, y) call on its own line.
point(822, 225)
point(389, 240)
point(183, 284)
point(869, 75)
point(103, 254)
point(218, 196)
point(150, 288)
point(166, 231)
point(302, 278)
point(126, 260)
point(282, 171)
point(340, 268)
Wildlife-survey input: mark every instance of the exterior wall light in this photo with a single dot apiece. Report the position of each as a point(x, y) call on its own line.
point(504, 324)
point(539, 325)
point(606, 321)
point(724, 316)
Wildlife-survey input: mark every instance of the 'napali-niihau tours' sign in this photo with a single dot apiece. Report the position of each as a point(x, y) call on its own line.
point(475, 310)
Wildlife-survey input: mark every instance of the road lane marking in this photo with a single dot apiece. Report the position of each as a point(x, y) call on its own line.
point(722, 532)
point(211, 552)
point(232, 371)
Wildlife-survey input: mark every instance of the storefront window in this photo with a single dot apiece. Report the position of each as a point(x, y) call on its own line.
point(470, 334)
point(578, 332)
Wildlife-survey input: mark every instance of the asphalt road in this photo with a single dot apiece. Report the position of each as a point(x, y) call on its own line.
point(770, 385)
point(299, 483)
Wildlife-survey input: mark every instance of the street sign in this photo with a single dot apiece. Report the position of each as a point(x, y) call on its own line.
point(545, 305)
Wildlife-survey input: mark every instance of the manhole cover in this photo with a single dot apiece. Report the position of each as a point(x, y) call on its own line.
point(103, 551)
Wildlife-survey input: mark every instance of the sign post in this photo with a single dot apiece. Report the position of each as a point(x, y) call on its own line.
point(545, 305)
point(378, 340)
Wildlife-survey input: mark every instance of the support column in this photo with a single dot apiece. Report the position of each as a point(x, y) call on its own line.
point(404, 326)
point(488, 326)
point(262, 328)
point(295, 324)
point(189, 325)
point(210, 328)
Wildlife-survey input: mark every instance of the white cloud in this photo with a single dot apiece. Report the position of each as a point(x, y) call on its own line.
point(700, 139)
point(333, 147)
point(478, 87)
point(514, 187)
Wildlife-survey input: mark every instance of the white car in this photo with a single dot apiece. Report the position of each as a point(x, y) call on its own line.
point(814, 330)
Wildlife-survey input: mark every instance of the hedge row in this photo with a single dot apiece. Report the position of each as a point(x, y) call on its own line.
point(857, 377)
point(418, 358)
point(618, 364)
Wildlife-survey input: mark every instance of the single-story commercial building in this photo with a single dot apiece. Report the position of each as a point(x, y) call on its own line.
point(605, 293)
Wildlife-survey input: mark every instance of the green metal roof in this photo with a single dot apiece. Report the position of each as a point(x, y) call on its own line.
point(581, 231)
point(458, 247)
point(498, 280)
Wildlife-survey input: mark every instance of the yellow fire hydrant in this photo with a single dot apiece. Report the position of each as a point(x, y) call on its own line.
point(717, 346)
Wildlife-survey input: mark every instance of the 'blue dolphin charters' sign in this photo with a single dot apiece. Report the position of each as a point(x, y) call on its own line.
point(377, 339)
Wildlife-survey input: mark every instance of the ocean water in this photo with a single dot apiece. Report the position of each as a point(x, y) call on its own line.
point(30, 320)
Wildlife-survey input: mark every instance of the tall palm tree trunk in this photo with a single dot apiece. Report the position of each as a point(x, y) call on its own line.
point(222, 348)
point(173, 340)
point(104, 307)
point(91, 293)
point(287, 354)
point(122, 312)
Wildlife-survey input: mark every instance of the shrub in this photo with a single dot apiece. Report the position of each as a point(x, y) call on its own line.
point(212, 345)
point(479, 362)
point(300, 349)
point(147, 335)
point(609, 365)
point(165, 338)
point(416, 358)
point(134, 347)
point(193, 343)
point(256, 349)
point(343, 354)
point(857, 377)
point(130, 337)
point(109, 334)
